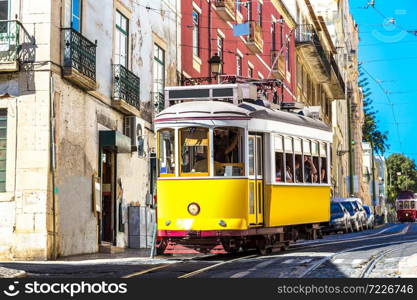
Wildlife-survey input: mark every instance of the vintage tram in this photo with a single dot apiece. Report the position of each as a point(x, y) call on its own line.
point(238, 172)
point(406, 204)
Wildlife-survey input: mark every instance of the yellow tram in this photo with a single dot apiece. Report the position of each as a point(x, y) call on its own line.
point(240, 173)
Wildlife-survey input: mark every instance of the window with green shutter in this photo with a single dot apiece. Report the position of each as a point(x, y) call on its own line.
point(3, 148)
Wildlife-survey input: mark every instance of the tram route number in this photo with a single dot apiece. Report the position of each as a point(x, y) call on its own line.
point(389, 289)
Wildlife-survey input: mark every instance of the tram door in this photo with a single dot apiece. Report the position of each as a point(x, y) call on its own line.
point(256, 186)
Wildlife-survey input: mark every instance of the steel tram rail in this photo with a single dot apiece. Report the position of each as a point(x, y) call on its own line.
point(220, 263)
point(334, 255)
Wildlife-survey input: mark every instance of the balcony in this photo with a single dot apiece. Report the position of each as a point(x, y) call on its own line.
point(13, 41)
point(159, 102)
point(309, 44)
point(126, 90)
point(225, 9)
point(337, 84)
point(278, 70)
point(79, 59)
point(254, 40)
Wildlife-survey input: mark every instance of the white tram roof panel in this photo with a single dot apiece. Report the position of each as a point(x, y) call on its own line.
point(202, 109)
point(218, 109)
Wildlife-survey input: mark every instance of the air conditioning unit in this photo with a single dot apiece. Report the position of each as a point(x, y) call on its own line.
point(313, 112)
point(134, 129)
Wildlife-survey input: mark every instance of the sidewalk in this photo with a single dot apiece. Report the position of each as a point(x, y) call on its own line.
point(128, 257)
point(141, 254)
point(11, 273)
point(408, 267)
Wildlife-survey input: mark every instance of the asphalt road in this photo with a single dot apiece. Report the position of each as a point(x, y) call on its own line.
point(371, 253)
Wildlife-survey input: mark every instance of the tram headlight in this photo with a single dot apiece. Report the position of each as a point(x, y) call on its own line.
point(194, 209)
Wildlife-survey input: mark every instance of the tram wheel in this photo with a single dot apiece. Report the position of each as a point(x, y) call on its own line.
point(161, 246)
point(231, 248)
point(265, 250)
point(285, 247)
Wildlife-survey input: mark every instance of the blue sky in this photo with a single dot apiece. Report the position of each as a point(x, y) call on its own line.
point(389, 54)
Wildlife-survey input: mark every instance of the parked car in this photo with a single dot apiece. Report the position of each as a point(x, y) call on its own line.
point(370, 217)
point(339, 219)
point(355, 214)
point(357, 203)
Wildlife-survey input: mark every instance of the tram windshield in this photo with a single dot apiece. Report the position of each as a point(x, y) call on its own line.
point(194, 149)
point(228, 151)
point(166, 152)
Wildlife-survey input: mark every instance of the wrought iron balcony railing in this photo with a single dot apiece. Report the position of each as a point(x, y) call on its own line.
point(255, 40)
point(159, 102)
point(307, 34)
point(14, 39)
point(79, 58)
point(226, 9)
point(337, 72)
point(126, 86)
point(278, 63)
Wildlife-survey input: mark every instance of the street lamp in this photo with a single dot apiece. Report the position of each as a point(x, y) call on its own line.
point(215, 63)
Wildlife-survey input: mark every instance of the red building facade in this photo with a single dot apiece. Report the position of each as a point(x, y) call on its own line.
point(267, 52)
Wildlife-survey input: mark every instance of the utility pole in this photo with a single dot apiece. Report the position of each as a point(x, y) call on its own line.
point(349, 118)
point(373, 175)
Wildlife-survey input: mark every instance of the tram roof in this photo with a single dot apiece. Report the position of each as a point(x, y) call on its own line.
point(406, 195)
point(218, 109)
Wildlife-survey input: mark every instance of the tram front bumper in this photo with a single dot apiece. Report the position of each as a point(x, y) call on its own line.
point(202, 224)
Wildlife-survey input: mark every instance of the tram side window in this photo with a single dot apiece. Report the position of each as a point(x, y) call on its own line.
point(310, 170)
point(194, 151)
point(323, 163)
point(412, 204)
point(400, 205)
point(289, 160)
point(228, 151)
point(298, 161)
point(315, 152)
point(166, 152)
point(279, 159)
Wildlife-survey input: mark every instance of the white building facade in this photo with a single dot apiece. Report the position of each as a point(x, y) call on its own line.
point(79, 84)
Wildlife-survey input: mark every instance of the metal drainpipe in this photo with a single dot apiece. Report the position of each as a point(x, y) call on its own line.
point(52, 162)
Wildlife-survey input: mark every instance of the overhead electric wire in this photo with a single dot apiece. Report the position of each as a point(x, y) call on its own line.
point(389, 102)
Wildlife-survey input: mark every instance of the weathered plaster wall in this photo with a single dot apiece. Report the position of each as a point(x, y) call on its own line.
point(24, 207)
point(26, 214)
point(80, 117)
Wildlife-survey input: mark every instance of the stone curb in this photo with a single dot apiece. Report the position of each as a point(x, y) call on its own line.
point(11, 273)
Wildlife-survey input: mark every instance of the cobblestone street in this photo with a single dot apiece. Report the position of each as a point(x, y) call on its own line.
point(337, 255)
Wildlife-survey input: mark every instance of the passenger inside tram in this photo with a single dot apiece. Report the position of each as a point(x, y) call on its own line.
point(228, 151)
point(310, 171)
point(279, 168)
point(289, 164)
point(323, 176)
point(298, 169)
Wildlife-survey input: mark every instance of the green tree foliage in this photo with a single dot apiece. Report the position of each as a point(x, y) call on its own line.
point(402, 175)
point(370, 130)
